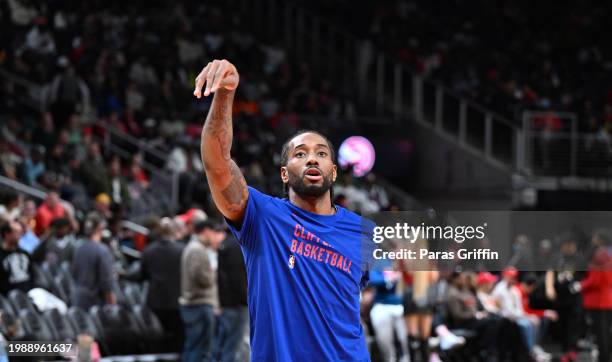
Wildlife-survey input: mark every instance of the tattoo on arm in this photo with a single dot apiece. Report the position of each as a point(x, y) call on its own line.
point(236, 193)
point(227, 184)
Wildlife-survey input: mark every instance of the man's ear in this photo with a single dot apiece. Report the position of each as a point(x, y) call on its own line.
point(284, 173)
point(334, 173)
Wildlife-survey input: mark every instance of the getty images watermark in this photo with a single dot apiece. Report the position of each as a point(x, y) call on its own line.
point(411, 242)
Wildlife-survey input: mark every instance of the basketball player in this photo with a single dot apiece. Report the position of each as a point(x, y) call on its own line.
point(302, 254)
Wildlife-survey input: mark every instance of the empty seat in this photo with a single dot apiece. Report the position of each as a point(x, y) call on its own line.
point(64, 287)
point(121, 331)
point(119, 296)
point(6, 307)
point(131, 291)
point(20, 301)
point(144, 291)
point(151, 329)
point(43, 278)
point(83, 323)
point(48, 269)
point(62, 325)
point(36, 328)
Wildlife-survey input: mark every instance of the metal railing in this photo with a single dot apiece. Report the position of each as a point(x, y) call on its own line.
point(394, 89)
point(555, 147)
point(397, 92)
point(34, 96)
point(41, 195)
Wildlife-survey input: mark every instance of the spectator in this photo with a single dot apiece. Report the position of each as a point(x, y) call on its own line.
point(510, 301)
point(44, 133)
point(15, 264)
point(93, 170)
point(522, 257)
point(199, 294)
point(28, 241)
point(161, 265)
point(58, 244)
point(92, 268)
point(50, 209)
point(102, 205)
point(34, 165)
point(8, 160)
point(596, 290)
point(233, 300)
point(565, 269)
point(534, 298)
point(464, 313)
point(116, 184)
point(68, 93)
point(387, 312)
point(10, 208)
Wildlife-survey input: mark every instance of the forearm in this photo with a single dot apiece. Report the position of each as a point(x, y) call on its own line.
point(217, 133)
point(227, 184)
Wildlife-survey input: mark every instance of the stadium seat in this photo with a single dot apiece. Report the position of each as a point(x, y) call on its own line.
point(131, 291)
point(64, 287)
point(62, 325)
point(6, 307)
point(119, 296)
point(120, 329)
point(21, 301)
point(144, 291)
point(43, 278)
point(48, 269)
point(84, 324)
point(150, 327)
point(36, 328)
point(10, 325)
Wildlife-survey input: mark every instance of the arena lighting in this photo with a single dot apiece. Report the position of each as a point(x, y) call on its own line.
point(358, 152)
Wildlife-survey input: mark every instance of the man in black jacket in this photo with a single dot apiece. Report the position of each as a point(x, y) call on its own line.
point(233, 300)
point(161, 265)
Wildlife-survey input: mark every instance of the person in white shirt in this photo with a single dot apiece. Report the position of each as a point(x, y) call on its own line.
point(510, 303)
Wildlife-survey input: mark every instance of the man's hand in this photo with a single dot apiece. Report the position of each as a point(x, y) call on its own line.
point(217, 74)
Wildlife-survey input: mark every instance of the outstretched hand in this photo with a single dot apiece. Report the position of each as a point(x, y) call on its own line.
point(217, 74)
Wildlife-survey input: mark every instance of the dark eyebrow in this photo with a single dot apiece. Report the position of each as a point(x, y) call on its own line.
point(304, 145)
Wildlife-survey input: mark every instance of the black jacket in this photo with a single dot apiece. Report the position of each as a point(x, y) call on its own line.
point(231, 275)
point(161, 265)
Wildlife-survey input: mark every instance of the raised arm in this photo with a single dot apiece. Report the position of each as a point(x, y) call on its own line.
point(226, 182)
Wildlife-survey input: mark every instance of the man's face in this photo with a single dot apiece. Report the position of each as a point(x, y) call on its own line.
point(213, 238)
point(310, 171)
point(52, 199)
point(12, 238)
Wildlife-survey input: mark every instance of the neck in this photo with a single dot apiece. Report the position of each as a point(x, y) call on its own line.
point(96, 237)
point(317, 205)
point(6, 245)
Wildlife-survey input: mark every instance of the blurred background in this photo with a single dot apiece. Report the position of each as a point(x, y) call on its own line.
point(435, 106)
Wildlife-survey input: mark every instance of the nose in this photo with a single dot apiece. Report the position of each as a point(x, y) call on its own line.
point(312, 160)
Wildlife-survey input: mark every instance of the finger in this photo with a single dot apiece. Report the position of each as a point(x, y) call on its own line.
point(199, 82)
point(219, 74)
point(210, 77)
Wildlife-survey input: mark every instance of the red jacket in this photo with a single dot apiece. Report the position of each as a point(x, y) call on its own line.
point(597, 286)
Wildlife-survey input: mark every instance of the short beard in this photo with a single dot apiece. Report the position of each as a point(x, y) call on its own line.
point(297, 184)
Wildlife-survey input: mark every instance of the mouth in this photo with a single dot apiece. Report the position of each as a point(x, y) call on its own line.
point(313, 174)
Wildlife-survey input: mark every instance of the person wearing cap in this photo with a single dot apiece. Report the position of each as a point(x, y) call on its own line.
point(199, 292)
point(485, 282)
point(510, 301)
